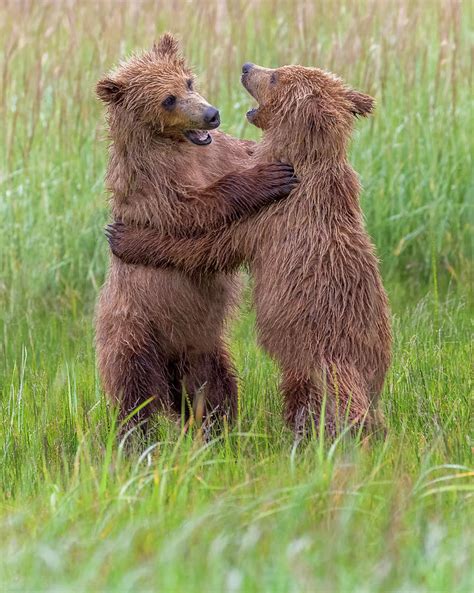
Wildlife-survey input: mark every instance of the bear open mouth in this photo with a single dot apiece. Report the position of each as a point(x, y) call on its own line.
point(199, 137)
point(251, 113)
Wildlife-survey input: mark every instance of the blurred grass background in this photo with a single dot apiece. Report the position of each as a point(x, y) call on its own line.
point(248, 512)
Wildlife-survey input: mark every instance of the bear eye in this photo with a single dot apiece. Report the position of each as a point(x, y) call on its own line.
point(169, 102)
point(273, 78)
point(189, 82)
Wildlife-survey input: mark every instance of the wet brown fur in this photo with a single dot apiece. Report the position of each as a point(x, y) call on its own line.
point(158, 330)
point(322, 311)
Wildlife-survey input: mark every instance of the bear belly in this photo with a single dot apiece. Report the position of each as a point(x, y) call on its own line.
point(187, 314)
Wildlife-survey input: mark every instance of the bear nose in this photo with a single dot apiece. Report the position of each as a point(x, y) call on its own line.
point(212, 117)
point(247, 67)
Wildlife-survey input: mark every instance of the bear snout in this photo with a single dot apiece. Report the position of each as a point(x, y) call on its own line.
point(212, 117)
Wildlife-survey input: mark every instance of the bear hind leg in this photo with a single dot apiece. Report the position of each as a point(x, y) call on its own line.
point(212, 385)
point(305, 407)
point(134, 369)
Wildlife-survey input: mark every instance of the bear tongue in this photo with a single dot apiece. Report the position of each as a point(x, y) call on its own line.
point(251, 113)
point(199, 137)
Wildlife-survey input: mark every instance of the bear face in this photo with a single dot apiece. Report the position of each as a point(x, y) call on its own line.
point(300, 102)
point(156, 91)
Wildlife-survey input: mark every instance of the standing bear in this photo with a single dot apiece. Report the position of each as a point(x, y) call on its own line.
point(159, 330)
point(322, 311)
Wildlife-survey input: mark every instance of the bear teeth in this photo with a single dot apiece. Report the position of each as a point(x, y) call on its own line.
point(199, 137)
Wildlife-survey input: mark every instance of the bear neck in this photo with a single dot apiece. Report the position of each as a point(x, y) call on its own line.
point(328, 181)
point(305, 152)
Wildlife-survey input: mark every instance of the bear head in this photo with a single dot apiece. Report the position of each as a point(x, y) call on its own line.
point(307, 106)
point(156, 90)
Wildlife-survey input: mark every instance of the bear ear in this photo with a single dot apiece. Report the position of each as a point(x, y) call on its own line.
point(109, 90)
point(361, 104)
point(167, 46)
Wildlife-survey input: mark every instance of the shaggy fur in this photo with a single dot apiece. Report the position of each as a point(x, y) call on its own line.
point(159, 329)
point(322, 311)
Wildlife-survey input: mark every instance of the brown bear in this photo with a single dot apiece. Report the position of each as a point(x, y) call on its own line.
point(157, 330)
point(322, 311)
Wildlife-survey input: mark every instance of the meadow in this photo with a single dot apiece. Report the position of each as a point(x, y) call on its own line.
point(250, 511)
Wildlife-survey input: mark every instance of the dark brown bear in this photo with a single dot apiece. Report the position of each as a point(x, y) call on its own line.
point(159, 329)
point(322, 311)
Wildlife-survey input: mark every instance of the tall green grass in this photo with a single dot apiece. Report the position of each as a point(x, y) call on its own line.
point(249, 511)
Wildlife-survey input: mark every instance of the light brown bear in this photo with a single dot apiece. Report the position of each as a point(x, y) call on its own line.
point(160, 329)
point(322, 311)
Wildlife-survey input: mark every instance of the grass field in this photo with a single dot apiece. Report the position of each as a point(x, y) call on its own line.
point(248, 512)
